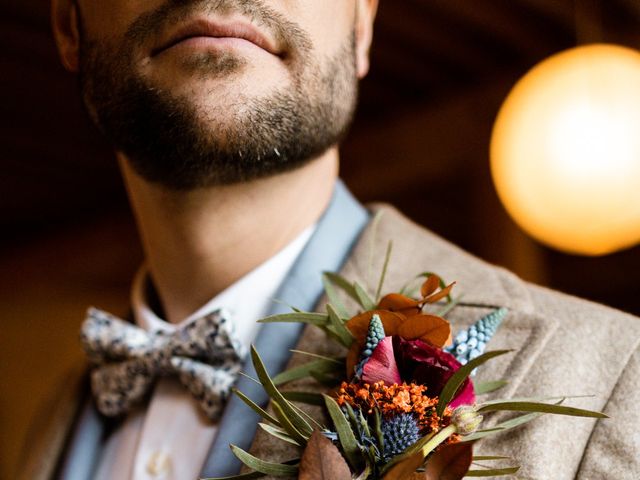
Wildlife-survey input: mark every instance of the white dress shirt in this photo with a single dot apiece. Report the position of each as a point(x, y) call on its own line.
point(171, 437)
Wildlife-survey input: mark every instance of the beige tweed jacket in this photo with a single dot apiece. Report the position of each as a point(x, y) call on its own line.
point(563, 346)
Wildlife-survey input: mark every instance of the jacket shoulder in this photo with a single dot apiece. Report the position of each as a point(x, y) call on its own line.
point(50, 429)
point(417, 247)
point(582, 311)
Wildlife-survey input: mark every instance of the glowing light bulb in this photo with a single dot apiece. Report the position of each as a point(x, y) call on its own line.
point(565, 150)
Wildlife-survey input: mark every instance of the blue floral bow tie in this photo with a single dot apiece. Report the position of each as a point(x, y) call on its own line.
point(205, 355)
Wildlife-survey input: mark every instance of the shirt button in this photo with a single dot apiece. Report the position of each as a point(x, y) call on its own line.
point(159, 463)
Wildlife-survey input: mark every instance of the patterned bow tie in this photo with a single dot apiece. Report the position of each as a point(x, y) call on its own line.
point(205, 355)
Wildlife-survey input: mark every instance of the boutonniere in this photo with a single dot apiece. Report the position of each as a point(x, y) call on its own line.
point(402, 403)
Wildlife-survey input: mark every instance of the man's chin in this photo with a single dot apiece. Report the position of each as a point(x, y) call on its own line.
point(208, 69)
point(208, 91)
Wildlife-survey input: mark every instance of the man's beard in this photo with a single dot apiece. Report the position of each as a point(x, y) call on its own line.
point(170, 141)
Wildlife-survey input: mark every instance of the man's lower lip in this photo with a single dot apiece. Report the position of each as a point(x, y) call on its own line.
point(208, 43)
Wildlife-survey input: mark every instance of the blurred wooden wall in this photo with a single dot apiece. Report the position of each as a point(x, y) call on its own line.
point(440, 70)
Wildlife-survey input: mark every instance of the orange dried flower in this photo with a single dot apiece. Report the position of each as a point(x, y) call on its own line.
point(395, 399)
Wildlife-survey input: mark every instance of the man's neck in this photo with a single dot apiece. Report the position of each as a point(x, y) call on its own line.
point(197, 243)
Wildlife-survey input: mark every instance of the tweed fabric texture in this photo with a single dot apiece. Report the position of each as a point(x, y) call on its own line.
point(564, 345)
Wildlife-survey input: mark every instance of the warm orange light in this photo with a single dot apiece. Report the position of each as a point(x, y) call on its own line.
point(565, 150)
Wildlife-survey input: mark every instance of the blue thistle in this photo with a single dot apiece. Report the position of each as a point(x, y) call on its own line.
point(471, 343)
point(399, 433)
point(374, 335)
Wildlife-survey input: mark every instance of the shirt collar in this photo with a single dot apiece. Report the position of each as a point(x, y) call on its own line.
point(261, 285)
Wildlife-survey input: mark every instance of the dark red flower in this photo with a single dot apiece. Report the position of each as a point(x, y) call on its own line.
point(421, 363)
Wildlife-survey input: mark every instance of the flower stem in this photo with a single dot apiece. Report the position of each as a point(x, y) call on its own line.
point(440, 437)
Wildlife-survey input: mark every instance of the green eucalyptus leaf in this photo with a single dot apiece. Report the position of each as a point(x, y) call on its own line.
point(364, 423)
point(492, 472)
point(346, 437)
point(249, 377)
point(488, 387)
point(343, 284)
point(278, 433)
point(540, 407)
point(457, 379)
point(308, 417)
point(288, 426)
point(500, 427)
point(387, 257)
point(332, 295)
point(331, 331)
point(323, 366)
point(308, 398)
point(262, 466)
point(339, 360)
point(255, 407)
point(317, 319)
point(532, 399)
point(364, 299)
point(345, 336)
point(352, 415)
point(377, 427)
point(297, 420)
point(326, 379)
point(373, 228)
point(489, 457)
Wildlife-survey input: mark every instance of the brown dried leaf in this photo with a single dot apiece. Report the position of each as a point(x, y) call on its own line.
point(449, 462)
point(439, 295)
point(429, 328)
point(430, 285)
point(396, 302)
point(322, 460)
point(359, 325)
point(406, 469)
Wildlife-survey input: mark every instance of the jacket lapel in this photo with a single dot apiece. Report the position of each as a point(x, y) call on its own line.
point(483, 286)
point(333, 239)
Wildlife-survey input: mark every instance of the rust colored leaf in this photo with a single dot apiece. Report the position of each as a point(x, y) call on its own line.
point(439, 295)
point(429, 328)
point(359, 325)
point(322, 460)
point(449, 462)
point(430, 285)
point(406, 469)
point(396, 302)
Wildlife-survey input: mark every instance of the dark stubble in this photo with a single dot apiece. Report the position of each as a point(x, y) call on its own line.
point(168, 140)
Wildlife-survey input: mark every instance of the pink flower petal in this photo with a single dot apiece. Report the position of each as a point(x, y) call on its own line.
point(427, 365)
point(382, 364)
point(465, 396)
